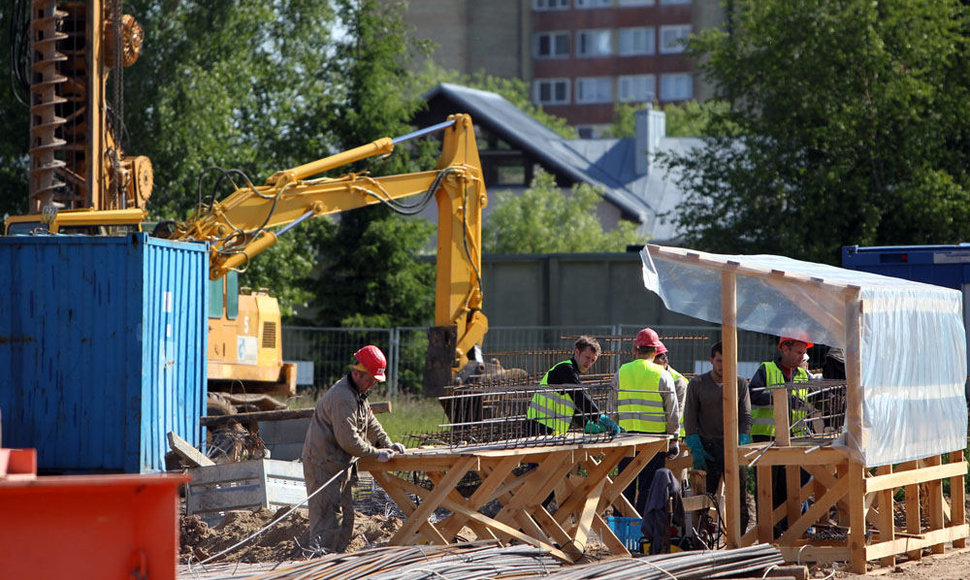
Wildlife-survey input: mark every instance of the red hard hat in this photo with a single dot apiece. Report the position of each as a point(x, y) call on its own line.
point(372, 360)
point(785, 339)
point(647, 337)
point(662, 348)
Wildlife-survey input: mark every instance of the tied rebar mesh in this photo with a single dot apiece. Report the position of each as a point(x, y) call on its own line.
point(820, 414)
point(497, 417)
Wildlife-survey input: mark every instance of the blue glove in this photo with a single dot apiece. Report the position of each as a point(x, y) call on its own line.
point(697, 452)
point(610, 425)
point(594, 428)
point(744, 438)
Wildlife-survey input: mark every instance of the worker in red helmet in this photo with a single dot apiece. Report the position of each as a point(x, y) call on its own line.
point(343, 427)
point(646, 403)
point(784, 370)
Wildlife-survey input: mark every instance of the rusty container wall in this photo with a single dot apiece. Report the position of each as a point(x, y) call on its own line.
point(102, 349)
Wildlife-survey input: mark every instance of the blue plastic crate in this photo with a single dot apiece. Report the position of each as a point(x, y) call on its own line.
point(627, 530)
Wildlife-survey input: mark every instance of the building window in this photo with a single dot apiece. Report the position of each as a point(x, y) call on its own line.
point(550, 4)
point(637, 2)
point(585, 4)
point(592, 90)
point(552, 91)
point(635, 41)
point(552, 45)
point(593, 43)
point(676, 87)
point(637, 88)
point(673, 38)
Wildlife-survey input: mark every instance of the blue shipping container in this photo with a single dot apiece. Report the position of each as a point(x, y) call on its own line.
point(102, 349)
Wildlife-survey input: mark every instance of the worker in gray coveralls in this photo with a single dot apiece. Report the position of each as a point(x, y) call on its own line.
point(343, 427)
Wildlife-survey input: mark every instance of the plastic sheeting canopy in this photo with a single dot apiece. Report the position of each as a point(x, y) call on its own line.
point(912, 349)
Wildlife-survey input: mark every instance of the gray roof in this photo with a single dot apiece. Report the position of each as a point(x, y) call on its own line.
point(605, 163)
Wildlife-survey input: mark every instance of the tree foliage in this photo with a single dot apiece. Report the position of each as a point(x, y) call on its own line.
point(543, 220)
point(848, 124)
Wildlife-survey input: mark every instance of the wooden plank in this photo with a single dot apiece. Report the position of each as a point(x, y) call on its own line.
point(799, 525)
point(416, 462)
point(584, 520)
point(552, 527)
point(492, 479)
point(612, 543)
point(186, 451)
point(933, 472)
point(766, 522)
point(913, 509)
point(393, 485)
point(857, 517)
point(779, 401)
point(487, 521)
point(729, 404)
point(791, 455)
point(935, 500)
point(793, 484)
point(958, 497)
point(281, 415)
point(593, 479)
point(885, 525)
point(810, 553)
point(431, 503)
point(916, 544)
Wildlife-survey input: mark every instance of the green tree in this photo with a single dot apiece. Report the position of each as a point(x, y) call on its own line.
point(543, 220)
point(848, 124)
point(371, 272)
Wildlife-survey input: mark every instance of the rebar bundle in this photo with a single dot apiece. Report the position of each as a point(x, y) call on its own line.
point(820, 414)
point(457, 562)
point(749, 561)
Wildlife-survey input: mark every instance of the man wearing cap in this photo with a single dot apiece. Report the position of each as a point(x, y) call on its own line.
point(647, 403)
point(786, 368)
point(343, 427)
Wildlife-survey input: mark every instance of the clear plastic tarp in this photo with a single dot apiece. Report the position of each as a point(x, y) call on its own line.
point(913, 342)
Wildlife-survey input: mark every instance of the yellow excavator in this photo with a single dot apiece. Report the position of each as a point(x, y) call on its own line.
point(81, 181)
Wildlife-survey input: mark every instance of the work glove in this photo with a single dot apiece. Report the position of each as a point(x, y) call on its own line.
point(610, 425)
point(697, 451)
point(594, 428)
point(398, 447)
point(673, 450)
point(384, 455)
point(744, 438)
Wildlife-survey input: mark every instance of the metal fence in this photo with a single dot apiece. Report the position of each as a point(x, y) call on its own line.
point(533, 349)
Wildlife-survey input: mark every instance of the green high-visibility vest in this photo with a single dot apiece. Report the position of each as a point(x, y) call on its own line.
point(552, 409)
point(763, 417)
point(639, 404)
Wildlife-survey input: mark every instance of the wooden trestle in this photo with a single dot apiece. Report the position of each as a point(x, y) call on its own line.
point(578, 474)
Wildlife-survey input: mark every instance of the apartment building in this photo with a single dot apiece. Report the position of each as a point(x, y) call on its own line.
point(581, 57)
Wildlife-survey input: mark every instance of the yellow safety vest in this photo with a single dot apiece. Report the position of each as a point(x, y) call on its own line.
point(763, 417)
point(552, 409)
point(639, 404)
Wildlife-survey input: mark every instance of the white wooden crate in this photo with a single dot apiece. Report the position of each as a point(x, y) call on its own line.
point(245, 485)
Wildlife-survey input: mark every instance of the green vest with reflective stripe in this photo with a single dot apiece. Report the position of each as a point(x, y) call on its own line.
point(552, 409)
point(763, 417)
point(639, 404)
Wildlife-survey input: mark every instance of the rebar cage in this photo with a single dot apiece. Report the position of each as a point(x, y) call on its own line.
point(817, 408)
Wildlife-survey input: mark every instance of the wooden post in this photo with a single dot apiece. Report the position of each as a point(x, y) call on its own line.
point(957, 499)
point(729, 401)
point(853, 423)
point(887, 532)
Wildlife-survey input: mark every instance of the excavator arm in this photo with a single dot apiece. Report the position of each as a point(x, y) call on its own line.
point(240, 226)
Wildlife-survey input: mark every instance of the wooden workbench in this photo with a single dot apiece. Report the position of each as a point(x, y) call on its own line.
point(578, 474)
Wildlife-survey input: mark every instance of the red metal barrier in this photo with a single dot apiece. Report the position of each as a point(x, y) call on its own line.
point(89, 526)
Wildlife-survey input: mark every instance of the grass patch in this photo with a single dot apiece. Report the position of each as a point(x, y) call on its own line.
point(409, 413)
